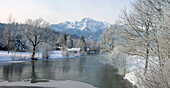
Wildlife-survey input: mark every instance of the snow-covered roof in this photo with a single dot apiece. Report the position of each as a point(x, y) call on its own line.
point(74, 49)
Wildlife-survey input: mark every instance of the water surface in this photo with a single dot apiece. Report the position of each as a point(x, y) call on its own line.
point(85, 69)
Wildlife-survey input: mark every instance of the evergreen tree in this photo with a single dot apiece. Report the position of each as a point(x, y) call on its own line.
point(82, 38)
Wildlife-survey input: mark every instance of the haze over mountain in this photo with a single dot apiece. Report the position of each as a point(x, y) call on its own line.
point(91, 29)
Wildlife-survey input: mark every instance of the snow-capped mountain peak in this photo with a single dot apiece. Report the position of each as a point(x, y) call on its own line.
point(87, 20)
point(86, 26)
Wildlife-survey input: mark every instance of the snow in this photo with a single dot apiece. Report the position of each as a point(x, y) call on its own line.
point(51, 83)
point(17, 56)
point(4, 56)
point(74, 49)
point(137, 68)
point(20, 56)
point(58, 54)
point(135, 65)
point(131, 77)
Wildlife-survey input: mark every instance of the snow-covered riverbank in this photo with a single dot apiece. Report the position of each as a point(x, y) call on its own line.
point(134, 65)
point(20, 56)
point(132, 69)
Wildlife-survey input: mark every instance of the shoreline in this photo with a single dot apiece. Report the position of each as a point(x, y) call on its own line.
point(25, 56)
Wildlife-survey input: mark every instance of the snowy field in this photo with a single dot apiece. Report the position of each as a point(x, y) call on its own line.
point(20, 56)
point(51, 83)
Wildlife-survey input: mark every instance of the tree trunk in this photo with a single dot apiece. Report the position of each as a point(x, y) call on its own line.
point(8, 44)
point(147, 47)
point(159, 56)
point(33, 53)
point(147, 58)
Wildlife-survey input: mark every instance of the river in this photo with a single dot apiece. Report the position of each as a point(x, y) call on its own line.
point(86, 69)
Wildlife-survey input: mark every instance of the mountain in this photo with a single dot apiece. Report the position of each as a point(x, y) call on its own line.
point(91, 29)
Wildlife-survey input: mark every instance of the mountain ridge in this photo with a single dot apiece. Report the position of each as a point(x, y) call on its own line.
point(91, 29)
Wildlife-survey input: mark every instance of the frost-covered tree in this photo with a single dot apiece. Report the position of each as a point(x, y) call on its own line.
point(65, 39)
point(36, 32)
point(3, 44)
point(69, 42)
point(75, 42)
point(45, 49)
point(119, 60)
point(19, 42)
point(60, 40)
point(143, 28)
point(146, 29)
point(107, 38)
point(92, 45)
point(8, 33)
point(81, 43)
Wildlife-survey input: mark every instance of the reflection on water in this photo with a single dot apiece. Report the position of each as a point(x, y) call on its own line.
point(84, 69)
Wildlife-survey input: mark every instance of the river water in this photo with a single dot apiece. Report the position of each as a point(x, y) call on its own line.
point(86, 69)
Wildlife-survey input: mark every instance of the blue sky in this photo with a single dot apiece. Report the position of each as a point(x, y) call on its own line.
point(56, 11)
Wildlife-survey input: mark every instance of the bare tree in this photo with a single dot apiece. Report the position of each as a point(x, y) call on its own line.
point(138, 30)
point(9, 30)
point(161, 37)
point(36, 32)
point(147, 33)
